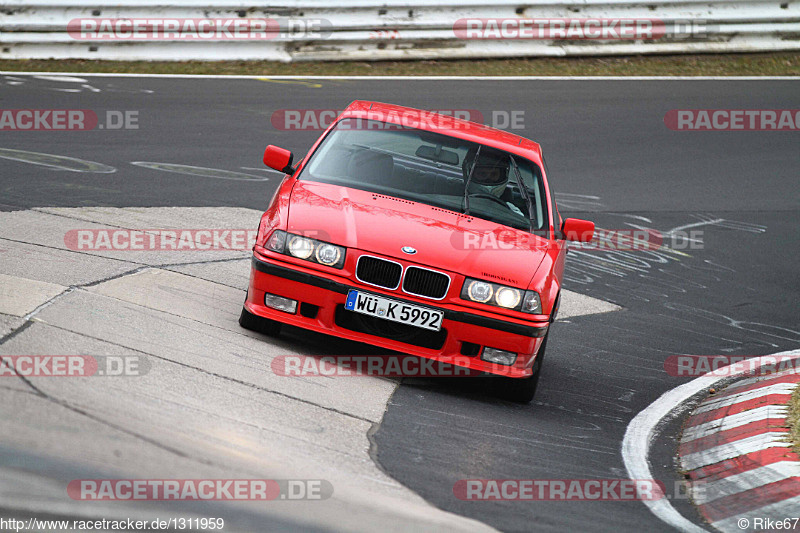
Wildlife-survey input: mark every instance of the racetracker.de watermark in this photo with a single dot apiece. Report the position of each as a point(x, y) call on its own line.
point(74, 365)
point(199, 489)
point(559, 28)
point(733, 119)
point(67, 120)
point(581, 29)
point(197, 29)
point(558, 489)
point(436, 119)
point(392, 366)
point(150, 240)
point(603, 240)
point(729, 365)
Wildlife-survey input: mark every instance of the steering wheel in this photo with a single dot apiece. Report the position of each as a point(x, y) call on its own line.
point(490, 197)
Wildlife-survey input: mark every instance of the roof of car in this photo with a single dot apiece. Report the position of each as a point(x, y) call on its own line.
point(430, 121)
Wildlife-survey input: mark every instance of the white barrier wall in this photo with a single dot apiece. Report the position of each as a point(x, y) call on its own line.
point(359, 30)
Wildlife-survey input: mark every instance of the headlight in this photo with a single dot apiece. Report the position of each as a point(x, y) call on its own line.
point(328, 254)
point(306, 248)
point(300, 247)
point(479, 291)
point(508, 298)
point(489, 293)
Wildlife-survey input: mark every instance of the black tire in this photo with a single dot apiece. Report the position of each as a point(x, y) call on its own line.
point(263, 325)
point(522, 390)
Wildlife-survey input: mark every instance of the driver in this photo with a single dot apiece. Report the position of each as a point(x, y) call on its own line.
point(490, 175)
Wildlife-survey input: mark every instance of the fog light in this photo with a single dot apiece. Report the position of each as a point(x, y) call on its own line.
point(280, 303)
point(501, 357)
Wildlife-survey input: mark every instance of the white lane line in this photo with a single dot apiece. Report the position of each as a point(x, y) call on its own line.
point(642, 429)
point(408, 78)
point(733, 399)
point(733, 421)
point(707, 491)
point(717, 454)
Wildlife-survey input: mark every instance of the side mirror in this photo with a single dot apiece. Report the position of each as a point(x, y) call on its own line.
point(575, 229)
point(279, 159)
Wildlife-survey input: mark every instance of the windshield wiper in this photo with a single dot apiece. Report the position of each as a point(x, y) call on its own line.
point(524, 191)
point(469, 177)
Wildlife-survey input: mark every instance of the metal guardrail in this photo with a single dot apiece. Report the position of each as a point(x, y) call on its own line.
point(412, 29)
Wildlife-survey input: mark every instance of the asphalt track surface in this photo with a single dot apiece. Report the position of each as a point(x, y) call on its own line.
point(611, 160)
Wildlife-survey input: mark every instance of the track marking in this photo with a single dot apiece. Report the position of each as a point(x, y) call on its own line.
point(394, 78)
point(65, 79)
point(642, 429)
point(56, 162)
point(292, 81)
point(202, 172)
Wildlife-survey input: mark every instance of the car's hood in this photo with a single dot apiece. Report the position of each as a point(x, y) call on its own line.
point(443, 239)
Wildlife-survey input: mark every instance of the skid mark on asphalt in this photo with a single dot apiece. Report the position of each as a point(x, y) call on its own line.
point(76, 84)
point(56, 162)
point(763, 330)
point(202, 172)
point(709, 220)
point(273, 171)
point(578, 202)
point(647, 274)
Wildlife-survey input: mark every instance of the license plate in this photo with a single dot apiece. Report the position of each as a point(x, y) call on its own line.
point(378, 306)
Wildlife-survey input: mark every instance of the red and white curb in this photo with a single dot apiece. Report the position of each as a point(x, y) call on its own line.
point(644, 427)
point(735, 451)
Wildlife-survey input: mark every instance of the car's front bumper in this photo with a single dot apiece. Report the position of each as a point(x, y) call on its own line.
point(321, 300)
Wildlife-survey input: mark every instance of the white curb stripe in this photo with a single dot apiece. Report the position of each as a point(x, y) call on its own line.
point(736, 448)
point(707, 491)
point(733, 421)
point(757, 379)
point(783, 509)
point(779, 388)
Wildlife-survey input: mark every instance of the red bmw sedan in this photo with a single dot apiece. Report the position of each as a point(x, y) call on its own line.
point(420, 233)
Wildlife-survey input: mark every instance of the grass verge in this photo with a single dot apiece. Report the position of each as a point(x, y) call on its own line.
point(794, 420)
point(767, 64)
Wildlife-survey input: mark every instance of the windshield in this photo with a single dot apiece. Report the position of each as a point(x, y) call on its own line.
point(434, 169)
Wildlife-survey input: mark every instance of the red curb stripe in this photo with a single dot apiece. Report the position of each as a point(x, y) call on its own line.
point(749, 500)
point(791, 378)
point(743, 463)
point(734, 408)
point(719, 438)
